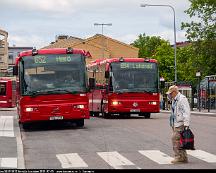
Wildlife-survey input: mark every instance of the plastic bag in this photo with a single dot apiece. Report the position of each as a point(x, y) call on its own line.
point(187, 139)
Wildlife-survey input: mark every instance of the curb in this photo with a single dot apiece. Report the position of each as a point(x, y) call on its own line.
point(212, 114)
point(20, 153)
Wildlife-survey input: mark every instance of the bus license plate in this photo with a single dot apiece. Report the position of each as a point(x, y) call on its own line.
point(135, 110)
point(56, 118)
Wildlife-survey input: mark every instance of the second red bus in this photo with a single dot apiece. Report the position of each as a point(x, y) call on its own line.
point(124, 86)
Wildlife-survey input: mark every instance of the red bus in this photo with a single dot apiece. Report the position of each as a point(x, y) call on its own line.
point(52, 85)
point(131, 86)
point(7, 92)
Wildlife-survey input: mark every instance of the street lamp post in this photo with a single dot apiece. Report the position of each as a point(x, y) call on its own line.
point(102, 25)
point(198, 74)
point(174, 28)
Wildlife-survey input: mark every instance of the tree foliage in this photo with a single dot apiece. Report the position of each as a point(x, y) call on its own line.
point(200, 55)
point(205, 27)
point(160, 49)
point(202, 34)
point(147, 44)
point(165, 56)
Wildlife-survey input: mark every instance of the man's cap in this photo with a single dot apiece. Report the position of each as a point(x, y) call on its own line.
point(172, 88)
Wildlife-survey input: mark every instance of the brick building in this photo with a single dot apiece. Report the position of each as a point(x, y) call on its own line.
point(99, 46)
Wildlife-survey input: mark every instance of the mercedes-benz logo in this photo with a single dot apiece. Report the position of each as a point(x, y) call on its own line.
point(135, 104)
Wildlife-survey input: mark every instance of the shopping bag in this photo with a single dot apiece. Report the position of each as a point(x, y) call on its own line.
point(187, 139)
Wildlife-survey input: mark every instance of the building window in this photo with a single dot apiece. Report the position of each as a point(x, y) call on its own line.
point(10, 56)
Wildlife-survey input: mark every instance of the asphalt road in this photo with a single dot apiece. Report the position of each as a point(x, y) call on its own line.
point(117, 143)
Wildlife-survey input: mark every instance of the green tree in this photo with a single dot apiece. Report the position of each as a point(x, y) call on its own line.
point(186, 64)
point(202, 34)
point(147, 44)
point(205, 27)
point(165, 56)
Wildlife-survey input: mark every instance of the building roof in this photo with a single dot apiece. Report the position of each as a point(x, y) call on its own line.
point(63, 42)
point(72, 41)
point(119, 42)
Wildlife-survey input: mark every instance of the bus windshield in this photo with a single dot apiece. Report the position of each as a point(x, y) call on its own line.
point(134, 77)
point(52, 74)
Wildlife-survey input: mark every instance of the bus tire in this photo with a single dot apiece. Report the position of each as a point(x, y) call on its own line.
point(106, 115)
point(26, 126)
point(80, 123)
point(147, 115)
point(96, 114)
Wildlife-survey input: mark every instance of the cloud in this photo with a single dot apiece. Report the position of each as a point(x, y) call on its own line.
point(27, 41)
point(169, 35)
point(38, 5)
point(37, 22)
point(128, 38)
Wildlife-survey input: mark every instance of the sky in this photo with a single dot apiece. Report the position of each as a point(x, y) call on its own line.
point(36, 23)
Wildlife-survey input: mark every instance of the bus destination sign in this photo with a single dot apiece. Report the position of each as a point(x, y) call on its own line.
point(132, 65)
point(43, 59)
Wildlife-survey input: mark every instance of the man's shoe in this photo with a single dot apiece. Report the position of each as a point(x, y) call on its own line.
point(175, 161)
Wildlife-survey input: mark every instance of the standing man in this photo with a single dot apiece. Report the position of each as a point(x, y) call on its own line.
point(179, 120)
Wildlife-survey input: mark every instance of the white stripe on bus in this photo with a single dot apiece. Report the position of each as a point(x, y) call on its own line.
point(115, 159)
point(157, 156)
point(3, 101)
point(71, 160)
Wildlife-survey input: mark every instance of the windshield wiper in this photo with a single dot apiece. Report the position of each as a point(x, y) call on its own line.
point(54, 91)
point(35, 93)
point(135, 90)
point(62, 90)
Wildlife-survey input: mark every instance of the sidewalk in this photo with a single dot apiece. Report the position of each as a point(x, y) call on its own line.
point(212, 112)
point(195, 111)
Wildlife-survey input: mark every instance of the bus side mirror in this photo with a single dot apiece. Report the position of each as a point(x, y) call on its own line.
point(107, 89)
point(15, 70)
point(106, 74)
point(92, 83)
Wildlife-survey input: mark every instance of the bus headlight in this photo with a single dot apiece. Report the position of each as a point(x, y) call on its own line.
point(153, 103)
point(114, 103)
point(79, 106)
point(29, 109)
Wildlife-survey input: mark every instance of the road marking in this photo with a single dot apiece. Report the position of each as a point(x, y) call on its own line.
point(200, 154)
point(6, 126)
point(115, 159)
point(157, 156)
point(8, 162)
point(71, 160)
point(20, 154)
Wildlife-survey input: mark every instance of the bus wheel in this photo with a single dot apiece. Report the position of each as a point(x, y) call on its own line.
point(96, 114)
point(26, 126)
point(105, 115)
point(80, 123)
point(147, 115)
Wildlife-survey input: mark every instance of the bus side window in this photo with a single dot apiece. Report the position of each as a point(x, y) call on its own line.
point(2, 89)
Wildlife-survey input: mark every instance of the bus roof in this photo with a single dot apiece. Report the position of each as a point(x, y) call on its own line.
point(110, 60)
point(52, 51)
